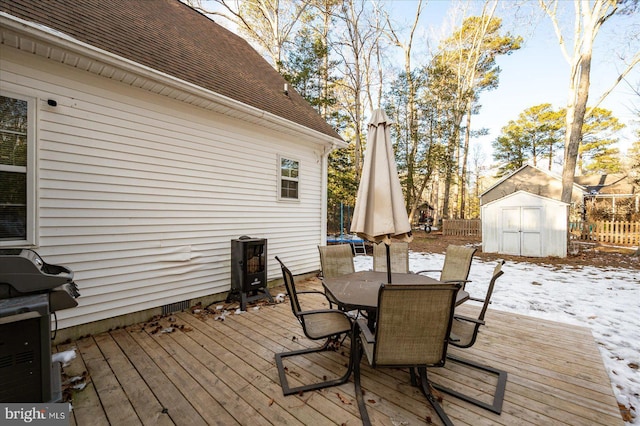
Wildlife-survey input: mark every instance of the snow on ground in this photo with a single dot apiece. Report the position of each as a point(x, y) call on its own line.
point(607, 300)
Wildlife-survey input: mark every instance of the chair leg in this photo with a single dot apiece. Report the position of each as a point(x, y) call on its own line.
point(356, 351)
point(414, 378)
point(424, 381)
point(321, 385)
point(496, 406)
point(424, 387)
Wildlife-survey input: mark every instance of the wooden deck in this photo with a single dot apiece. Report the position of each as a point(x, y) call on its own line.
point(223, 372)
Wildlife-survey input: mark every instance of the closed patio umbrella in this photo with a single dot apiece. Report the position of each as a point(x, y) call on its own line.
point(380, 214)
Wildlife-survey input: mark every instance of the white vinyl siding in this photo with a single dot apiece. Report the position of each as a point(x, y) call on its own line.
point(140, 195)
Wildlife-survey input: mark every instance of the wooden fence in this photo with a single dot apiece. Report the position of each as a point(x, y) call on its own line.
point(622, 233)
point(462, 227)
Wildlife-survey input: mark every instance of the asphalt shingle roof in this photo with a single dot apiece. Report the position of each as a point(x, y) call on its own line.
point(173, 38)
point(608, 184)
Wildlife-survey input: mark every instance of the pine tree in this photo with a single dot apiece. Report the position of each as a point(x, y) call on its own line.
point(597, 153)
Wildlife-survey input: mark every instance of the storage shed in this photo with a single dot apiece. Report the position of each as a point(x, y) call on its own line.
point(534, 180)
point(525, 224)
point(522, 214)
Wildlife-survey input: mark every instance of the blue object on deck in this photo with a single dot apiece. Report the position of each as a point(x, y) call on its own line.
point(357, 243)
point(344, 239)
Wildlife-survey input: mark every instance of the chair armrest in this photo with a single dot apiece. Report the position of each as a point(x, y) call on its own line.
point(313, 292)
point(322, 311)
point(428, 270)
point(457, 281)
point(468, 319)
point(366, 333)
point(325, 311)
point(310, 292)
point(462, 283)
point(477, 299)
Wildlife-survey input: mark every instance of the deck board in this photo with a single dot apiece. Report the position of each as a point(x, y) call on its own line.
point(262, 374)
point(210, 371)
point(208, 408)
point(143, 401)
point(114, 400)
point(173, 403)
point(87, 408)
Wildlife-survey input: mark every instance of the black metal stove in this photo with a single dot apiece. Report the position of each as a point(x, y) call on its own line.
point(248, 270)
point(30, 290)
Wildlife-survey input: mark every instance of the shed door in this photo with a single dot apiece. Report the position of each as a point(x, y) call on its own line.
point(531, 229)
point(521, 231)
point(511, 231)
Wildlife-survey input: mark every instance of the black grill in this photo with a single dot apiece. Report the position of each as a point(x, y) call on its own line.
point(30, 290)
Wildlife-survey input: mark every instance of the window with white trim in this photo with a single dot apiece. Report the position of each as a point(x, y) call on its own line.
point(289, 178)
point(16, 152)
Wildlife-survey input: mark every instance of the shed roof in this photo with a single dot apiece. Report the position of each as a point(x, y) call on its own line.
point(522, 193)
point(533, 180)
point(171, 37)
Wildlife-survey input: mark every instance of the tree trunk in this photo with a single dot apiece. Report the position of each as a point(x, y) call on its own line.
point(326, 23)
point(463, 173)
point(575, 119)
point(449, 170)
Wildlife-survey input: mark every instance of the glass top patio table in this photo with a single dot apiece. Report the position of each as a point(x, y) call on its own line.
point(359, 290)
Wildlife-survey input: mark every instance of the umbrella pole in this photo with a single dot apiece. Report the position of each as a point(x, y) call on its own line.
point(388, 262)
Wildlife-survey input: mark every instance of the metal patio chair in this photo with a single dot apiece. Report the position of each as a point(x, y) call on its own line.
point(412, 330)
point(335, 260)
point(464, 332)
point(399, 252)
point(317, 324)
point(457, 263)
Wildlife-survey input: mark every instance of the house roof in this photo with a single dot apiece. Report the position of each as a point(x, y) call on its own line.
point(607, 184)
point(174, 39)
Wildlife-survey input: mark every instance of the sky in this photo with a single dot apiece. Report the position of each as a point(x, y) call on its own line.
point(606, 300)
point(538, 73)
point(535, 74)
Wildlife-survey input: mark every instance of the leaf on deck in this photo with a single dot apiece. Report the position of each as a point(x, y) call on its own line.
point(343, 398)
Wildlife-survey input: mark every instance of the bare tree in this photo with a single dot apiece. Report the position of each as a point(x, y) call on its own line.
point(478, 159)
point(268, 23)
point(469, 56)
point(357, 38)
point(412, 196)
point(326, 9)
point(589, 16)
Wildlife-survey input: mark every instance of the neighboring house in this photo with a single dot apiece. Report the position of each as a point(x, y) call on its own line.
point(522, 214)
point(607, 184)
point(138, 139)
point(616, 194)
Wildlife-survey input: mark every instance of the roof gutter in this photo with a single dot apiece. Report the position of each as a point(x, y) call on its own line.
point(63, 41)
